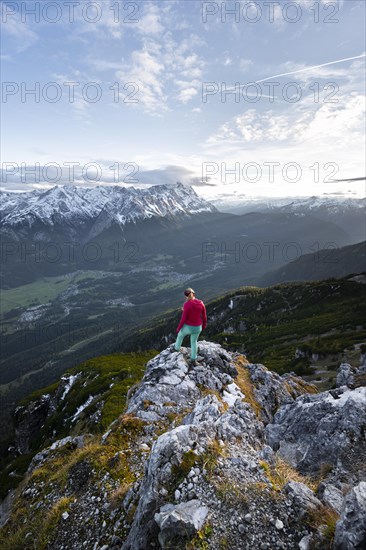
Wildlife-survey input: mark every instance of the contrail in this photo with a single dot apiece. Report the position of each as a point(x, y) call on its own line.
point(303, 70)
point(350, 179)
point(313, 67)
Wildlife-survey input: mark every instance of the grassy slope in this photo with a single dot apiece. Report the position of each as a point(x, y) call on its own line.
point(41, 291)
point(331, 262)
point(323, 317)
point(108, 378)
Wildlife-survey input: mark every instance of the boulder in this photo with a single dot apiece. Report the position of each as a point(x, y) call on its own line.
point(350, 533)
point(320, 429)
point(305, 542)
point(179, 522)
point(72, 442)
point(167, 451)
point(302, 497)
point(331, 496)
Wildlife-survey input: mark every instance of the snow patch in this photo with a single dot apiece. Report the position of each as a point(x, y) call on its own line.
point(71, 381)
point(82, 407)
point(60, 443)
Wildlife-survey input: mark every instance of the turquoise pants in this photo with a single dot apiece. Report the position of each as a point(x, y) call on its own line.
point(194, 333)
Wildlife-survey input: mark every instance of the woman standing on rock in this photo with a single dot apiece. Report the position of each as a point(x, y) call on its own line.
point(193, 321)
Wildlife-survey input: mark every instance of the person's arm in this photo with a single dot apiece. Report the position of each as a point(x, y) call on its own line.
point(204, 316)
point(184, 317)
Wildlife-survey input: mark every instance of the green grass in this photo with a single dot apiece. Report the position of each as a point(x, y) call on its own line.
point(37, 532)
point(39, 292)
point(41, 517)
point(108, 378)
point(42, 291)
point(323, 317)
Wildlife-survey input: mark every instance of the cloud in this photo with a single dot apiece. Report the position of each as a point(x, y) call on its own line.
point(110, 23)
point(278, 17)
point(162, 64)
point(146, 71)
point(187, 94)
point(163, 71)
point(226, 58)
point(331, 78)
point(338, 124)
point(150, 23)
point(21, 35)
point(169, 175)
point(253, 126)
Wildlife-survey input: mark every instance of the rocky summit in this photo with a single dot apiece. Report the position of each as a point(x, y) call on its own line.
point(223, 455)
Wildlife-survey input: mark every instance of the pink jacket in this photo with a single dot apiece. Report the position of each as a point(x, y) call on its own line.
point(194, 314)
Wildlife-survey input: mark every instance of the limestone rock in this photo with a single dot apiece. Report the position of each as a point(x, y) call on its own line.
point(330, 496)
point(319, 429)
point(272, 390)
point(302, 496)
point(350, 531)
point(179, 522)
point(199, 449)
point(305, 542)
point(345, 376)
point(29, 421)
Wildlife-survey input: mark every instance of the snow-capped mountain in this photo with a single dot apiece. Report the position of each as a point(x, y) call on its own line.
point(345, 212)
point(102, 206)
point(332, 203)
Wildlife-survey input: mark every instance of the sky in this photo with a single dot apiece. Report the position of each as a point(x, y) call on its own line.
point(246, 99)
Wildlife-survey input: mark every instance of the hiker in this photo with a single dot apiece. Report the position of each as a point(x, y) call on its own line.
point(192, 322)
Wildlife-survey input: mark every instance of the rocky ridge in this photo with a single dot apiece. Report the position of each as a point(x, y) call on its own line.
point(224, 455)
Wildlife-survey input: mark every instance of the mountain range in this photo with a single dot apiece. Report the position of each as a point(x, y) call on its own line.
point(346, 212)
point(237, 203)
point(95, 209)
point(69, 228)
point(76, 206)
